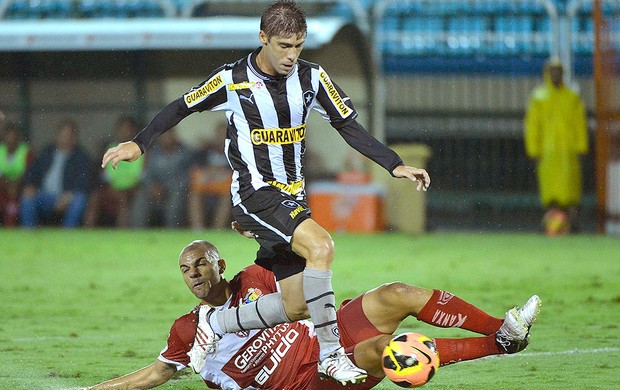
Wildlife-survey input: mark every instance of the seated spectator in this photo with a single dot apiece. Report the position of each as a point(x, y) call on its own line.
point(57, 184)
point(108, 204)
point(15, 157)
point(160, 200)
point(210, 177)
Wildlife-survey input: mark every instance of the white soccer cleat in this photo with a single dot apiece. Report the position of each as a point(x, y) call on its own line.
point(512, 336)
point(205, 341)
point(339, 367)
point(529, 312)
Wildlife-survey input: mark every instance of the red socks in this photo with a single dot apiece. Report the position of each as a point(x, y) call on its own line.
point(445, 310)
point(457, 350)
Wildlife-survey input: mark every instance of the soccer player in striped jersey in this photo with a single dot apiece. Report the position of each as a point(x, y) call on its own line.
point(284, 356)
point(267, 97)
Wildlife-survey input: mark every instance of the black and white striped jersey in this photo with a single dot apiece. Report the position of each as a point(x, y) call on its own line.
point(267, 117)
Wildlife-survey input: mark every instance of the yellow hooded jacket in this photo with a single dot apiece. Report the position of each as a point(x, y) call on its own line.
point(555, 135)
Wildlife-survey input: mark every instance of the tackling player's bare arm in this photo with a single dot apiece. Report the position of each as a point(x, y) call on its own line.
point(125, 151)
point(148, 377)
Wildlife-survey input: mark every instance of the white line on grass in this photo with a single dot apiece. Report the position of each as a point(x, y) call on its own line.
point(575, 351)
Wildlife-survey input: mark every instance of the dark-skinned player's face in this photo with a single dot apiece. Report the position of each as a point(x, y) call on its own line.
point(201, 272)
point(279, 54)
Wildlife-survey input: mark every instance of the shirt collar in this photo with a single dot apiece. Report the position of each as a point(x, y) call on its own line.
point(253, 65)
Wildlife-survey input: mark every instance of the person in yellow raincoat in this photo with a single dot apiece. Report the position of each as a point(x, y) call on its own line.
point(556, 136)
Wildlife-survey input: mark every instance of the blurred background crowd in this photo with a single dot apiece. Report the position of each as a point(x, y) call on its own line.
point(460, 87)
point(63, 184)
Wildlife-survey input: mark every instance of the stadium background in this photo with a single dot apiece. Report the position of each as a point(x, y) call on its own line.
point(83, 306)
point(454, 75)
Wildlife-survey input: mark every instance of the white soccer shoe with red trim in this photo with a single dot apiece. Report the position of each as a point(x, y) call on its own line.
point(205, 341)
point(339, 367)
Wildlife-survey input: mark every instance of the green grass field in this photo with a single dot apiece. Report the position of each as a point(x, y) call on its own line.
point(80, 307)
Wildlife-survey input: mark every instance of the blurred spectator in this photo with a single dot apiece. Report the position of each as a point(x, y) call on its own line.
point(556, 136)
point(354, 170)
point(15, 157)
point(160, 200)
point(57, 184)
point(108, 204)
point(210, 184)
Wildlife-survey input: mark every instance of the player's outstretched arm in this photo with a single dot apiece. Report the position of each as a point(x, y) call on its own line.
point(414, 174)
point(125, 151)
point(145, 378)
point(356, 136)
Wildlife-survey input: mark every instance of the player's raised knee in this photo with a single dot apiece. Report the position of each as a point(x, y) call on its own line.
point(319, 253)
point(404, 294)
point(324, 248)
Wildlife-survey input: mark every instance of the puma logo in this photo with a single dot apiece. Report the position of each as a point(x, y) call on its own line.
point(247, 98)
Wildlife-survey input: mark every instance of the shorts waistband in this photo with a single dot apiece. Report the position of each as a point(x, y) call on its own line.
point(292, 188)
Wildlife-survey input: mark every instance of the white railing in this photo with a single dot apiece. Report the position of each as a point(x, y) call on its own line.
point(175, 29)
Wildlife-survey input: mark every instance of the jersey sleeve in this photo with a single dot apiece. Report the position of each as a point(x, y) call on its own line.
point(211, 94)
point(333, 104)
point(252, 283)
point(180, 340)
point(165, 119)
point(361, 140)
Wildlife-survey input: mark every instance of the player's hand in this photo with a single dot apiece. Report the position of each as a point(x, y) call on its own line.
point(414, 174)
point(125, 151)
point(245, 233)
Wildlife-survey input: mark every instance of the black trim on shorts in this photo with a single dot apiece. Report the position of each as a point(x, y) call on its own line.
point(283, 262)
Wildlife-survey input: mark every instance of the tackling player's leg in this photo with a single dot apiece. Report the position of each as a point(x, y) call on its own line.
point(386, 306)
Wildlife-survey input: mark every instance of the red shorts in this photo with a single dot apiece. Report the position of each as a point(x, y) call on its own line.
point(354, 327)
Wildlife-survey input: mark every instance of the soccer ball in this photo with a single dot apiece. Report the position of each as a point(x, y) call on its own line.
point(556, 222)
point(410, 360)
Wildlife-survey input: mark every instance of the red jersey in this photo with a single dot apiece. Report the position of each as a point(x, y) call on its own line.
point(273, 358)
